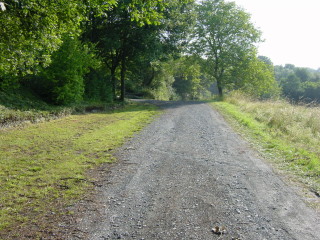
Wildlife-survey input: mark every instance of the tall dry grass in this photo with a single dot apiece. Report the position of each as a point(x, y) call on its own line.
point(298, 124)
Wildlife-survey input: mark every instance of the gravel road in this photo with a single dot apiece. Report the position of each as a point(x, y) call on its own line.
point(189, 172)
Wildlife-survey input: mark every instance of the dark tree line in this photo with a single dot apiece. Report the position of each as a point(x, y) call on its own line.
point(298, 84)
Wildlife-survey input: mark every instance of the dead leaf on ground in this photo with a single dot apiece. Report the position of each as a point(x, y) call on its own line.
point(219, 230)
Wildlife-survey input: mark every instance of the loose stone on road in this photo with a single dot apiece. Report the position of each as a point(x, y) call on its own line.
point(189, 176)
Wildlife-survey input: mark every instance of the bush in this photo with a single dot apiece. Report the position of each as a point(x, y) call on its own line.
point(98, 86)
point(63, 81)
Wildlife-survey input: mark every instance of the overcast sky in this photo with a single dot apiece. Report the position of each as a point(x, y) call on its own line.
point(291, 29)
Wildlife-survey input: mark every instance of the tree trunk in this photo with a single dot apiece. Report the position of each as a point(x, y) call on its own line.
point(220, 90)
point(113, 82)
point(123, 75)
point(148, 82)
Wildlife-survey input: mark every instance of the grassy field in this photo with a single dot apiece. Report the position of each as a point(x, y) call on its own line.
point(46, 163)
point(288, 134)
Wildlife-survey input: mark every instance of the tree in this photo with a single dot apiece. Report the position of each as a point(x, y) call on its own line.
point(298, 83)
point(266, 60)
point(223, 36)
point(160, 43)
point(187, 78)
point(255, 76)
point(312, 91)
point(32, 30)
point(128, 36)
point(291, 87)
point(117, 37)
point(303, 73)
point(122, 37)
point(289, 66)
point(62, 82)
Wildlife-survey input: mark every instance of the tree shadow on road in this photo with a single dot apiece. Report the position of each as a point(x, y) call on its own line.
point(168, 104)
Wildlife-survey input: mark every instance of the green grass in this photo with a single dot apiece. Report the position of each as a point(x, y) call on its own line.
point(47, 162)
point(287, 134)
point(22, 99)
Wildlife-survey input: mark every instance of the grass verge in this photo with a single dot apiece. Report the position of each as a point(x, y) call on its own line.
point(47, 162)
point(289, 135)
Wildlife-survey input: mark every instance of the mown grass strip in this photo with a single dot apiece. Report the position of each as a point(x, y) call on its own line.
point(274, 142)
point(47, 162)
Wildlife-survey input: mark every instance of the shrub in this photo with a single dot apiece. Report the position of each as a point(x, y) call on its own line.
point(98, 86)
point(63, 81)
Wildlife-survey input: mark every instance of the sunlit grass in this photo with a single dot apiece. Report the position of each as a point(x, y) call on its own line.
point(48, 161)
point(289, 133)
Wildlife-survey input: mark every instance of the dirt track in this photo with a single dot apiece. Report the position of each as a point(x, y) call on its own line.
point(186, 173)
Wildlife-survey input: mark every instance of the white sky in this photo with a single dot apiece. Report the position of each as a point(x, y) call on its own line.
point(291, 29)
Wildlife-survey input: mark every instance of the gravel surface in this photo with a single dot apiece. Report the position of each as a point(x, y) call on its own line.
point(186, 174)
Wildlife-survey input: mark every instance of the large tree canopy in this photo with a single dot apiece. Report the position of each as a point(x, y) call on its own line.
point(32, 30)
point(223, 36)
point(122, 38)
point(140, 44)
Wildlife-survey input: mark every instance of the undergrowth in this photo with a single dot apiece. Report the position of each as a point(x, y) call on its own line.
point(290, 134)
point(20, 106)
point(47, 162)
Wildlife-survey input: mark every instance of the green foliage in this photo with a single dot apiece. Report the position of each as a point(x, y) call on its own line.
point(161, 87)
point(311, 90)
point(150, 12)
point(157, 45)
point(298, 83)
point(292, 86)
point(49, 47)
point(63, 80)
point(132, 35)
point(223, 36)
point(180, 78)
point(97, 86)
point(254, 77)
point(31, 30)
point(187, 75)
